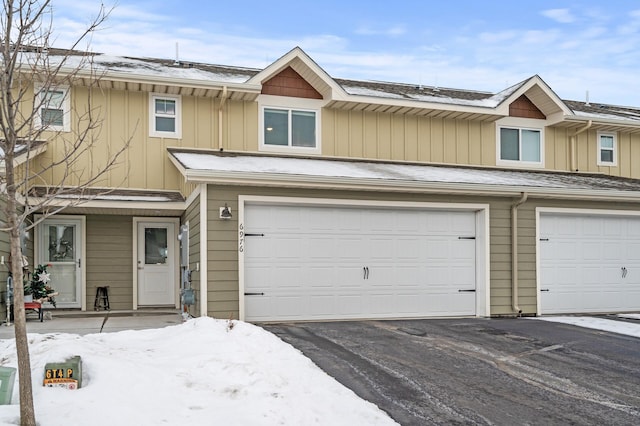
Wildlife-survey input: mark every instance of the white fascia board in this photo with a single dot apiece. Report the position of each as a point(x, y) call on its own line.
point(111, 204)
point(337, 182)
point(503, 108)
point(438, 106)
point(580, 119)
point(154, 79)
point(337, 92)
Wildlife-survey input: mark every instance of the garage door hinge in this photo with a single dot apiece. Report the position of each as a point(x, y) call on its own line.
point(544, 239)
point(467, 291)
point(253, 235)
point(466, 238)
point(254, 294)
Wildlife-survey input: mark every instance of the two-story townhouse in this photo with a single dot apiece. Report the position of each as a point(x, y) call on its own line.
point(299, 196)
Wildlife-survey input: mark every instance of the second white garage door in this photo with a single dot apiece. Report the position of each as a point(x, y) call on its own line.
point(315, 262)
point(589, 263)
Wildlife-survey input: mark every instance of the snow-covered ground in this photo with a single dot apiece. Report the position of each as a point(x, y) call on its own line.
point(620, 327)
point(202, 372)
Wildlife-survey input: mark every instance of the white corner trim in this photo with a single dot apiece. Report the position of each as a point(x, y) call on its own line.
point(204, 247)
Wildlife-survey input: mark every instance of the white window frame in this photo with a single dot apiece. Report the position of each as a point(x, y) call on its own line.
point(66, 108)
point(520, 124)
point(614, 150)
point(177, 134)
point(290, 104)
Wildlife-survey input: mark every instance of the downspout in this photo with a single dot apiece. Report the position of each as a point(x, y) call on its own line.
point(514, 252)
point(572, 139)
point(223, 99)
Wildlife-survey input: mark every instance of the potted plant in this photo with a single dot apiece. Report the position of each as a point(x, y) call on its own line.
point(38, 286)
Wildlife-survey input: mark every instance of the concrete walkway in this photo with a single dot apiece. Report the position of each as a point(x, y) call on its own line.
point(90, 322)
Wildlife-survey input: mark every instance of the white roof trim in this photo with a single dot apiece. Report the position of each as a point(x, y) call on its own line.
point(374, 176)
point(503, 108)
point(285, 60)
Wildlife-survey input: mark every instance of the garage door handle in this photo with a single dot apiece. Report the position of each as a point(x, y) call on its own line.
point(365, 271)
point(254, 294)
point(467, 291)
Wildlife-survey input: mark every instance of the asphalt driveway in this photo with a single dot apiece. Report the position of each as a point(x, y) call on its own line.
point(479, 371)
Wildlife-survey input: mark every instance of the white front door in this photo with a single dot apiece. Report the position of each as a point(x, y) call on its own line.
point(60, 245)
point(156, 263)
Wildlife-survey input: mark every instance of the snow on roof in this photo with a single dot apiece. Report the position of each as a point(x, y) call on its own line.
point(179, 70)
point(427, 93)
point(153, 67)
point(401, 173)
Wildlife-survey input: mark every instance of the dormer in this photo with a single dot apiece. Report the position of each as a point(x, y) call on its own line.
point(294, 90)
point(520, 134)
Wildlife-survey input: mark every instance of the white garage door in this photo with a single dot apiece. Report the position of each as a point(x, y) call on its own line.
point(312, 262)
point(589, 263)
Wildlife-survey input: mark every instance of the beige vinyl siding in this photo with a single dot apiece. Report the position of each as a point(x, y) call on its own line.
point(222, 255)
point(240, 126)
point(223, 244)
point(192, 217)
point(122, 117)
point(401, 137)
point(110, 259)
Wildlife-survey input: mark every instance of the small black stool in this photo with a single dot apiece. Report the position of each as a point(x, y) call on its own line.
point(102, 299)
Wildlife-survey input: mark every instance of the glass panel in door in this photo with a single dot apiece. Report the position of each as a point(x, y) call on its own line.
point(59, 248)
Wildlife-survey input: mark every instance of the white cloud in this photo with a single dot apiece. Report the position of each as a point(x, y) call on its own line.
point(392, 31)
point(563, 16)
point(596, 56)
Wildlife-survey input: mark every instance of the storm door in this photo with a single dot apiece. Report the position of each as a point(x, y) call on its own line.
point(60, 247)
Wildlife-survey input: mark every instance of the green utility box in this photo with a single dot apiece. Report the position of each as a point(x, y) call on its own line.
point(66, 374)
point(7, 380)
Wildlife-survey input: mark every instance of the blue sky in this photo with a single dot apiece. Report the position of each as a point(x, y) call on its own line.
point(575, 46)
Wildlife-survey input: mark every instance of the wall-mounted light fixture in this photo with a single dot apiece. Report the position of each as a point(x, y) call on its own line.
point(225, 212)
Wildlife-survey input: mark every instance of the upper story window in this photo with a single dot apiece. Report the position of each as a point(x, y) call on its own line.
point(165, 116)
point(289, 124)
point(607, 149)
point(520, 143)
point(53, 111)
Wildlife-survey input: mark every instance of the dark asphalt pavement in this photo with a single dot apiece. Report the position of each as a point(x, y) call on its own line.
point(479, 371)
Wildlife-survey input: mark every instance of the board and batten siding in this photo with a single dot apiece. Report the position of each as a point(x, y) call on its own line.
point(223, 291)
point(109, 259)
point(192, 217)
point(124, 119)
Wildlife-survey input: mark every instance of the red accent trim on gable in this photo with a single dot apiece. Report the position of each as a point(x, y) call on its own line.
point(289, 83)
point(524, 108)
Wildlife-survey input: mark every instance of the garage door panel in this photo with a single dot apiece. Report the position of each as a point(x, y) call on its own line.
point(591, 269)
point(342, 262)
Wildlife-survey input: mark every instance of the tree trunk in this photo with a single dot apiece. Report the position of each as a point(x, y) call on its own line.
point(27, 411)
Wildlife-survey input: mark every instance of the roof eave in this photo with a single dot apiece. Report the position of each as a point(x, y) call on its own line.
point(341, 183)
point(124, 77)
point(631, 126)
point(407, 106)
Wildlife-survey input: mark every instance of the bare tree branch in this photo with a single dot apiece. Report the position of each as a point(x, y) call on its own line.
point(31, 70)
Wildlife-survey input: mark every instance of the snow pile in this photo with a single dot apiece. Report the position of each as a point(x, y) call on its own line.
point(613, 326)
point(200, 372)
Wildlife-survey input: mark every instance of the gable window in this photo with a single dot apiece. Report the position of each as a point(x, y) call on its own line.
point(165, 116)
point(289, 124)
point(520, 145)
point(520, 142)
point(607, 149)
point(289, 127)
point(53, 109)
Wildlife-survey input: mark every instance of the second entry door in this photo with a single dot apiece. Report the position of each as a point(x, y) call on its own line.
point(156, 268)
